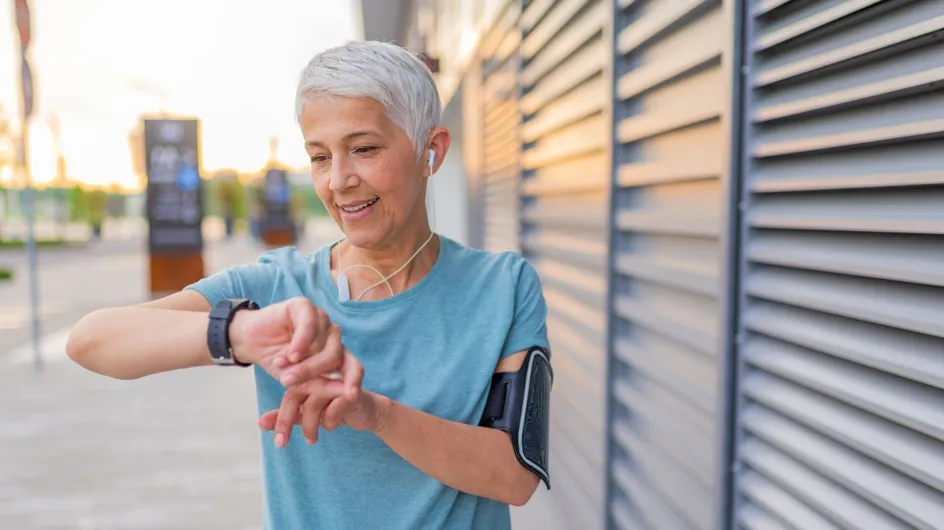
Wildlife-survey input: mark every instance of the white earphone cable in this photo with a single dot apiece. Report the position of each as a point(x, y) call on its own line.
point(343, 277)
point(394, 273)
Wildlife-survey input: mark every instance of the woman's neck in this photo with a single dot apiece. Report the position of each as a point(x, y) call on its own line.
point(387, 261)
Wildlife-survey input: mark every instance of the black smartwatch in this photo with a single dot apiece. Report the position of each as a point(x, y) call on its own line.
point(218, 330)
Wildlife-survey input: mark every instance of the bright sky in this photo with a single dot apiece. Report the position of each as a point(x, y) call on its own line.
point(99, 64)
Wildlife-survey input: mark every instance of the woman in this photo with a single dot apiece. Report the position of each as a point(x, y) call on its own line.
point(382, 347)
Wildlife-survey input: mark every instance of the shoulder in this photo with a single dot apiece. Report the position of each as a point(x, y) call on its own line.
point(287, 258)
point(273, 271)
point(270, 264)
point(291, 265)
point(506, 268)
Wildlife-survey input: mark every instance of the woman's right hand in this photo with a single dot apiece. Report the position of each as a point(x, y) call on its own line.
point(293, 341)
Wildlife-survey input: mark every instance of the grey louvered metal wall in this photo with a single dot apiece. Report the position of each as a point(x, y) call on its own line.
point(566, 175)
point(668, 256)
point(502, 121)
point(841, 420)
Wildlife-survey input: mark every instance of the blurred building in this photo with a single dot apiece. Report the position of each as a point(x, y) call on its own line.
point(737, 211)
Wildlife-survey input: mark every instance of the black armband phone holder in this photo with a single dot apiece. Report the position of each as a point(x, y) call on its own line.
point(519, 403)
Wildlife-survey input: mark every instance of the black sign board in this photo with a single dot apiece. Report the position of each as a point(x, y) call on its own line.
point(174, 187)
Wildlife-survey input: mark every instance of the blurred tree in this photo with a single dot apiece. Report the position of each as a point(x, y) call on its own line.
point(97, 204)
point(115, 201)
point(233, 197)
point(310, 202)
point(255, 202)
point(78, 205)
point(225, 196)
point(230, 194)
point(298, 211)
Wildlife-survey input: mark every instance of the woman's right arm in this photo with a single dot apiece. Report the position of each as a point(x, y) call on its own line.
point(135, 341)
point(171, 333)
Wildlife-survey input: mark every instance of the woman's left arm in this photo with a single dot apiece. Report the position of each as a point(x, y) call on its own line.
point(476, 460)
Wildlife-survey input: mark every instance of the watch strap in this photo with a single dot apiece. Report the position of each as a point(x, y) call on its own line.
point(221, 316)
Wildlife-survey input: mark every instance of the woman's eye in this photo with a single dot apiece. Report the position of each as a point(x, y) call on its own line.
point(319, 159)
point(365, 150)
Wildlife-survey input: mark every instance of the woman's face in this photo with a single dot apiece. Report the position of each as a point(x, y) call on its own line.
point(364, 169)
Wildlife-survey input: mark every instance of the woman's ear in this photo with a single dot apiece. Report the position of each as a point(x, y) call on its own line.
point(437, 148)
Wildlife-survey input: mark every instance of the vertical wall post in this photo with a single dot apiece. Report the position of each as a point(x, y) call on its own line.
point(612, 154)
point(732, 185)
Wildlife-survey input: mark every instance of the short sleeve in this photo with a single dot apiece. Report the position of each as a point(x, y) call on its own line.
point(529, 325)
point(253, 281)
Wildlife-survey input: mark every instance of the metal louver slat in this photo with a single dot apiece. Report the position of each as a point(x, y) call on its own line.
point(911, 259)
point(850, 47)
point(917, 357)
point(916, 164)
point(665, 438)
point(812, 489)
point(686, 499)
point(563, 216)
point(784, 506)
point(581, 103)
point(501, 144)
point(658, 515)
point(840, 410)
point(752, 518)
point(897, 304)
point(872, 482)
point(671, 92)
point(894, 446)
point(803, 23)
point(670, 366)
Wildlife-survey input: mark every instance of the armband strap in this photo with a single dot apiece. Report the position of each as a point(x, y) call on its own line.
point(519, 403)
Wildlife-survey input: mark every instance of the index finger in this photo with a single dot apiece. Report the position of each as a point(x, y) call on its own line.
point(353, 373)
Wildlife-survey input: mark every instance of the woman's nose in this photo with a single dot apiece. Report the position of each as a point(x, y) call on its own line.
point(341, 177)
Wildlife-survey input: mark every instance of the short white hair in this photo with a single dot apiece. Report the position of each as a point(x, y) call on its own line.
point(387, 73)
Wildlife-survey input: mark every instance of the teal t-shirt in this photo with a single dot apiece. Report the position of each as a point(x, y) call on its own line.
point(433, 347)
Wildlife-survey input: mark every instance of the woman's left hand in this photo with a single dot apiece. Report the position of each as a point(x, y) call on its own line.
point(322, 402)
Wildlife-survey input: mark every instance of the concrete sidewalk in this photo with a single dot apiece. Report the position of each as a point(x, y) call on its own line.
point(173, 451)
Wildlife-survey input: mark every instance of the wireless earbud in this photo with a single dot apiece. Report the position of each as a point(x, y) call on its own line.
point(432, 160)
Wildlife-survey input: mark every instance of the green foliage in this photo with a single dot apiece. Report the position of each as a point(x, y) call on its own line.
point(304, 200)
point(78, 204)
point(6, 274)
point(97, 204)
point(222, 195)
point(19, 244)
point(308, 200)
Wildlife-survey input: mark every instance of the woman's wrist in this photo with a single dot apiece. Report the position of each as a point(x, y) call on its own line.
point(237, 336)
point(382, 411)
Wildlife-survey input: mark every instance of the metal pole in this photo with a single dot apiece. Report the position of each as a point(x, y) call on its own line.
point(22, 20)
point(30, 243)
